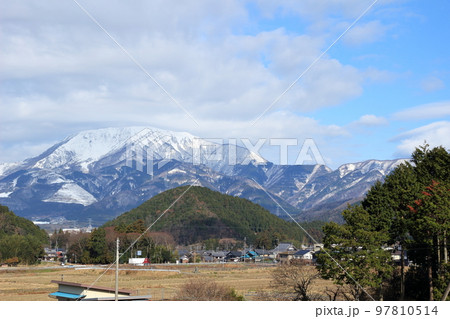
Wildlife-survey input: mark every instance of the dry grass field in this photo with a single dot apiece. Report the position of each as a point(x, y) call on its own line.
point(34, 283)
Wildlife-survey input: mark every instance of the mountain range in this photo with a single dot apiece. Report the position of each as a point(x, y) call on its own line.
point(102, 173)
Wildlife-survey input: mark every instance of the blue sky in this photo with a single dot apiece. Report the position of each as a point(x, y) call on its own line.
point(380, 91)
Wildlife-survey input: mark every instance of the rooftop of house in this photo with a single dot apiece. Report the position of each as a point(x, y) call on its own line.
point(284, 247)
point(219, 253)
point(302, 252)
point(235, 253)
point(98, 288)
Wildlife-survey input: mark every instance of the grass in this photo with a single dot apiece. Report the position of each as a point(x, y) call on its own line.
point(34, 283)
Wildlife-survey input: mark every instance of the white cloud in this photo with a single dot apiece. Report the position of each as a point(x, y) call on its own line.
point(370, 120)
point(315, 10)
point(365, 33)
point(437, 110)
point(431, 84)
point(434, 134)
point(67, 61)
point(61, 73)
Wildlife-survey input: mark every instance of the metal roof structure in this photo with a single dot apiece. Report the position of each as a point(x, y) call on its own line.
point(67, 295)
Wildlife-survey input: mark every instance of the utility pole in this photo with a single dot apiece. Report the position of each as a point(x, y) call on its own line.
point(117, 270)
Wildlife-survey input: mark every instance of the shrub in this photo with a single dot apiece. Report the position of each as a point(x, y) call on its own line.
point(204, 290)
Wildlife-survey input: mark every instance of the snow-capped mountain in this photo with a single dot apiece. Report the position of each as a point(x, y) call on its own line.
point(101, 173)
point(92, 148)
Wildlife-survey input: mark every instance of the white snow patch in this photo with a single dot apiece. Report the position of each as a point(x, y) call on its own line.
point(5, 167)
point(72, 194)
point(5, 195)
point(345, 169)
point(176, 170)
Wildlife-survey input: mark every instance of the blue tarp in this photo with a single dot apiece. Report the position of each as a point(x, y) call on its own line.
point(66, 295)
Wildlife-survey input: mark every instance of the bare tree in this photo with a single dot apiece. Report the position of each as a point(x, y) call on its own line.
point(297, 278)
point(333, 293)
point(204, 290)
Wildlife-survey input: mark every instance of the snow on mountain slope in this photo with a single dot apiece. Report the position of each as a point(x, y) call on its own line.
point(88, 147)
point(72, 194)
point(349, 181)
point(5, 194)
point(99, 170)
point(383, 167)
point(7, 167)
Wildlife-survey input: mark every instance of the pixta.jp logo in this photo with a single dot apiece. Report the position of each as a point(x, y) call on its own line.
point(230, 152)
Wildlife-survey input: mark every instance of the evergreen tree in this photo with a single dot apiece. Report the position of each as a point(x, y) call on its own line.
point(97, 248)
point(430, 216)
point(353, 254)
point(409, 211)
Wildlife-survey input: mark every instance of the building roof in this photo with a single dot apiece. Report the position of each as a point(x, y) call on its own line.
point(284, 247)
point(234, 254)
point(302, 252)
point(250, 253)
point(120, 298)
point(219, 253)
point(66, 295)
point(107, 289)
point(182, 252)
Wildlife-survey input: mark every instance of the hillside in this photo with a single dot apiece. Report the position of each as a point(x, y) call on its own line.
point(19, 238)
point(201, 214)
point(11, 224)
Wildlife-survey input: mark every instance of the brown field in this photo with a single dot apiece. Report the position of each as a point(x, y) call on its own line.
point(34, 283)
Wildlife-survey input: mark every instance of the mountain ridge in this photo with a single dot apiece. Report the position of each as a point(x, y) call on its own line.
point(108, 171)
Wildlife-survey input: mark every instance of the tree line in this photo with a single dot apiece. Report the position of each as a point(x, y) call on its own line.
point(409, 213)
point(99, 246)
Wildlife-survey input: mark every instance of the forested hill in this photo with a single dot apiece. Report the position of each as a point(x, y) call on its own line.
point(202, 214)
point(20, 239)
point(11, 224)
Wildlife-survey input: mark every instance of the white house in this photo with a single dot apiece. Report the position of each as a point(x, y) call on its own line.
point(304, 254)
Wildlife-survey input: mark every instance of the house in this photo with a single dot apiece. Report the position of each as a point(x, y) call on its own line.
point(250, 255)
point(183, 256)
point(72, 291)
point(281, 248)
point(184, 259)
point(303, 254)
point(262, 252)
point(139, 261)
point(286, 256)
point(213, 256)
point(233, 256)
point(264, 255)
point(57, 254)
point(219, 256)
point(71, 230)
